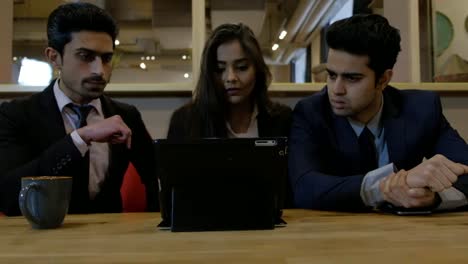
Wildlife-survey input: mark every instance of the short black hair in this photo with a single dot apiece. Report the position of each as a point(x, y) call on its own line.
point(369, 35)
point(75, 17)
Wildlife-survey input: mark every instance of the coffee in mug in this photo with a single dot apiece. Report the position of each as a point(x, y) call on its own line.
point(44, 200)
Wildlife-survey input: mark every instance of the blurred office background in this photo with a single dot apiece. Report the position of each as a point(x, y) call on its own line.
point(156, 45)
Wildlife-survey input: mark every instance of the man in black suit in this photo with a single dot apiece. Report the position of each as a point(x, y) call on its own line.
point(71, 128)
point(360, 143)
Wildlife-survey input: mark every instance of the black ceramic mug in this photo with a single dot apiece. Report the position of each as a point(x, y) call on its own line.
point(44, 200)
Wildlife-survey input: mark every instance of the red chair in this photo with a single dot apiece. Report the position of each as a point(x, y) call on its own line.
point(133, 191)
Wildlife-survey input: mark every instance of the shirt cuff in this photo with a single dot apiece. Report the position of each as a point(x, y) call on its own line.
point(451, 199)
point(79, 143)
point(370, 187)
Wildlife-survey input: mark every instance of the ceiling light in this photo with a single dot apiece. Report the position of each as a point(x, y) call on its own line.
point(148, 57)
point(117, 42)
point(283, 34)
point(275, 47)
point(186, 75)
point(142, 58)
point(143, 66)
point(15, 58)
point(184, 57)
point(153, 57)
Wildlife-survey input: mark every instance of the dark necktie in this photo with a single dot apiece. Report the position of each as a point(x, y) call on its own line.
point(80, 183)
point(367, 151)
point(82, 111)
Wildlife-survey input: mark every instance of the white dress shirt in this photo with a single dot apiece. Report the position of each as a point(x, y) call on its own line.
point(98, 152)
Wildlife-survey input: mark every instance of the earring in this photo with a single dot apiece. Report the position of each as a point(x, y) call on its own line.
point(57, 73)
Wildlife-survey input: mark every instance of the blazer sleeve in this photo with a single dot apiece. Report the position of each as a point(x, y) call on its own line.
point(143, 158)
point(19, 158)
point(312, 188)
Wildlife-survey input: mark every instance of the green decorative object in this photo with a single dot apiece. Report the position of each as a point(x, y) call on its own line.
point(444, 33)
point(466, 24)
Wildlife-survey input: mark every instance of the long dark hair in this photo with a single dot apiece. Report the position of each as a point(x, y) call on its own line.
point(210, 106)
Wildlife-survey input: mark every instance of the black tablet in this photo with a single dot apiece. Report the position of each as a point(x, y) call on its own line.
point(222, 184)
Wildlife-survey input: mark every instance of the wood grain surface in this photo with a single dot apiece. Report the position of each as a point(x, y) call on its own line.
point(310, 237)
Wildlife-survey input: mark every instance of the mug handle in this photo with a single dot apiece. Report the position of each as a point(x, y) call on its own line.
point(23, 197)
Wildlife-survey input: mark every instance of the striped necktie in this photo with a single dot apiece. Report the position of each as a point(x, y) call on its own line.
point(82, 111)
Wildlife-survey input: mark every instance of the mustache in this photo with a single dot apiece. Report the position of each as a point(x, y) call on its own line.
point(94, 79)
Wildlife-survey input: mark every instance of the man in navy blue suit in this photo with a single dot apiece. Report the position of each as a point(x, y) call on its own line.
point(360, 143)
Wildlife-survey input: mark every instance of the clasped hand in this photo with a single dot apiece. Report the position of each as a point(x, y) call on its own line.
point(418, 186)
point(112, 130)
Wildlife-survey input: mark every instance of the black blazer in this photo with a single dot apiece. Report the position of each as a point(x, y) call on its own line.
point(33, 142)
point(324, 152)
point(276, 122)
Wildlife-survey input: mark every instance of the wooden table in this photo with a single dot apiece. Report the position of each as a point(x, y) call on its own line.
point(310, 237)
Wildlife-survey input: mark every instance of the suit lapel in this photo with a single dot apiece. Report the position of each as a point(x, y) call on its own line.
point(347, 143)
point(394, 125)
point(116, 151)
point(107, 107)
point(53, 122)
point(54, 130)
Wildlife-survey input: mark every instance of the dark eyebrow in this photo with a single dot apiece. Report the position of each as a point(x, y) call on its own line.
point(352, 75)
point(346, 74)
point(94, 52)
point(330, 72)
point(241, 60)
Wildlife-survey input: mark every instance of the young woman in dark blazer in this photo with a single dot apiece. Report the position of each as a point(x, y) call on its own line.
point(231, 97)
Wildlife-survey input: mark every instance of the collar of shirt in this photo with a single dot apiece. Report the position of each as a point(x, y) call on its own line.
point(374, 125)
point(252, 131)
point(62, 100)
